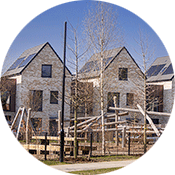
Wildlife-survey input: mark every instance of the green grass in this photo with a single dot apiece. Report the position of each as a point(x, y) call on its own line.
point(53, 162)
point(94, 159)
point(114, 158)
point(97, 171)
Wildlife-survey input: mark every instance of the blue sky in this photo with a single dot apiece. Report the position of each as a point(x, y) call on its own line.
point(49, 26)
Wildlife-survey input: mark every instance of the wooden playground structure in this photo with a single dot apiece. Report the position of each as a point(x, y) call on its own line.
point(121, 137)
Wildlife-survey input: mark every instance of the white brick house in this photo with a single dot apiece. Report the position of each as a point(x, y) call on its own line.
point(122, 78)
point(38, 74)
point(161, 73)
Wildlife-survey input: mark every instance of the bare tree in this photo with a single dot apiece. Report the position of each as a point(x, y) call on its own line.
point(77, 96)
point(146, 52)
point(103, 33)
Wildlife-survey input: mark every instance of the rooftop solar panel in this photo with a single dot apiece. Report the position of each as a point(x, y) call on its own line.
point(16, 64)
point(27, 60)
point(150, 71)
point(158, 69)
point(92, 65)
point(154, 70)
point(169, 70)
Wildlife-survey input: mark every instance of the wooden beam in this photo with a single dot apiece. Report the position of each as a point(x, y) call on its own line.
point(149, 120)
point(90, 124)
point(27, 126)
point(82, 118)
point(136, 110)
point(99, 130)
point(56, 138)
point(124, 109)
point(87, 121)
point(15, 119)
point(159, 113)
point(19, 125)
point(117, 122)
point(141, 132)
point(123, 136)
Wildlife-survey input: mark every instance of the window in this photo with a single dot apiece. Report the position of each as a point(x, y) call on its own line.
point(53, 97)
point(37, 123)
point(129, 99)
point(46, 71)
point(155, 121)
point(123, 73)
point(111, 100)
point(5, 99)
point(36, 98)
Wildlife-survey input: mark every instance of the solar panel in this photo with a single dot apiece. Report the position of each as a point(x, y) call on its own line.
point(16, 64)
point(150, 71)
point(92, 65)
point(154, 70)
point(27, 60)
point(87, 67)
point(169, 70)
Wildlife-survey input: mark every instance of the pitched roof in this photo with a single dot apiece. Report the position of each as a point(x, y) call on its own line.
point(25, 59)
point(93, 65)
point(160, 70)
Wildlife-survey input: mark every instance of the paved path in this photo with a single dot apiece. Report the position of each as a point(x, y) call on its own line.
point(92, 166)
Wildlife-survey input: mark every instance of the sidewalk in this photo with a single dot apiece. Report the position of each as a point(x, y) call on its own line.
point(92, 166)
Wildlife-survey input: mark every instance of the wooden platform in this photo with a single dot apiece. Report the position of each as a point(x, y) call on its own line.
point(39, 148)
point(56, 138)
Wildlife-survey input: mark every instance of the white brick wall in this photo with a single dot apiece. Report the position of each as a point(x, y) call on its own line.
point(31, 80)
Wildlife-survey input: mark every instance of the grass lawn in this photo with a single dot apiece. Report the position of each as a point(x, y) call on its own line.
point(83, 159)
point(53, 162)
point(114, 158)
point(98, 171)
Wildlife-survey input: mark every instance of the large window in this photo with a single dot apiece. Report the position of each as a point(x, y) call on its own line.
point(36, 99)
point(53, 97)
point(111, 100)
point(123, 74)
point(129, 99)
point(46, 71)
point(37, 124)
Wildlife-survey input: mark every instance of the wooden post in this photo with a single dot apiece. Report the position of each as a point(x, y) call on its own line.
point(19, 125)
point(116, 120)
point(59, 117)
point(27, 126)
point(91, 143)
point(15, 118)
point(85, 137)
point(45, 154)
point(123, 136)
point(129, 141)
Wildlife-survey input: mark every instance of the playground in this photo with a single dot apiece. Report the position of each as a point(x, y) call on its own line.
point(121, 137)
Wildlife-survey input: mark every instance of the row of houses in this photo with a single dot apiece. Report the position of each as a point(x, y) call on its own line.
point(35, 80)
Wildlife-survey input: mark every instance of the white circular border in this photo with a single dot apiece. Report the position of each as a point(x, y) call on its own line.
point(16, 14)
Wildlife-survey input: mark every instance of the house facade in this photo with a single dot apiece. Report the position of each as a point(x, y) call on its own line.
point(122, 78)
point(161, 74)
point(38, 76)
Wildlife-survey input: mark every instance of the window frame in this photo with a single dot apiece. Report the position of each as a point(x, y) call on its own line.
point(128, 101)
point(33, 102)
point(50, 73)
point(122, 76)
point(51, 100)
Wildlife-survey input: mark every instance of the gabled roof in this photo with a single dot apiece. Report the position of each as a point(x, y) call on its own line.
point(160, 70)
point(25, 59)
point(93, 65)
